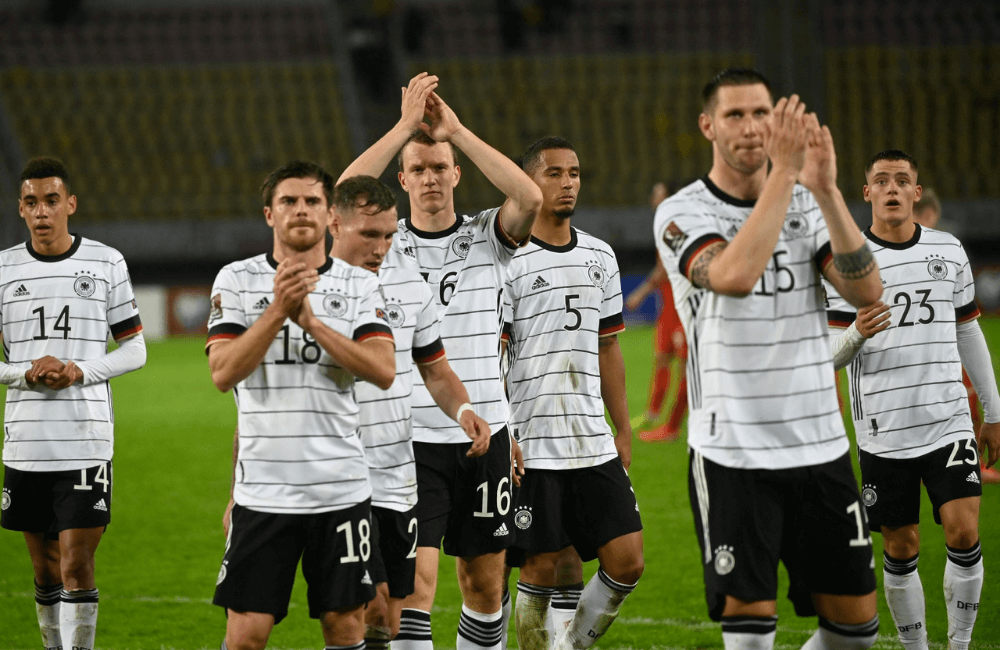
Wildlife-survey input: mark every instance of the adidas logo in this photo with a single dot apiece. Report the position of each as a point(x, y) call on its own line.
point(100, 505)
point(367, 580)
point(262, 303)
point(972, 478)
point(540, 283)
point(21, 291)
point(500, 532)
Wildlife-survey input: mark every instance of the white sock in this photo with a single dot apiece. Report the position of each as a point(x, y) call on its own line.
point(505, 609)
point(598, 609)
point(562, 608)
point(529, 616)
point(905, 596)
point(414, 631)
point(47, 601)
point(356, 646)
point(377, 638)
point(840, 636)
point(749, 632)
point(478, 631)
point(963, 583)
point(78, 618)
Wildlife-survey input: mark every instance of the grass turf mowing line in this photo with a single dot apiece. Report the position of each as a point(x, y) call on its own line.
point(157, 564)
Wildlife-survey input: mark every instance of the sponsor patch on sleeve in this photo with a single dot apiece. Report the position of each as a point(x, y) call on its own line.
point(216, 311)
point(674, 237)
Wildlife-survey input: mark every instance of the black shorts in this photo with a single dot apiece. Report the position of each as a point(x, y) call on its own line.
point(891, 491)
point(394, 550)
point(585, 508)
point(263, 550)
point(810, 518)
point(50, 502)
point(464, 501)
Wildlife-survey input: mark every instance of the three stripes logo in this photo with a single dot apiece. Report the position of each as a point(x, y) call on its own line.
point(100, 505)
point(972, 478)
point(263, 303)
point(21, 291)
point(502, 531)
point(539, 283)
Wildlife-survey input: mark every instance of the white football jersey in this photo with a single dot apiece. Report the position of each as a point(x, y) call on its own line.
point(761, 386)
point(907, 396)
point(299, 450)
point(386, 427)
point(465, 266)
point(563, 298)
point(64, 306)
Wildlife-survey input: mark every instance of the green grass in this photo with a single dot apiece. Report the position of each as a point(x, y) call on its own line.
point(157, 565)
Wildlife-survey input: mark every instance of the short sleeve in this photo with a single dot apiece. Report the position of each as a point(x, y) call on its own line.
point(427, 345)
point(487, 226)
point(611, 306)
point(839, 312)
point(372, 320)
point(965, 289)
point(123, 313)
point(226, 317)
point(683, 229)
point(822, 252)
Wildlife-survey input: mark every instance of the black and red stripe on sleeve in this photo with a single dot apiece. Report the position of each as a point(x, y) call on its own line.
point(840, 318)
point(373, 330)
point(223, 332)
point(126, 328)
point(967, 313)
point(611, 325)
point(695, 249)
point(428, 353)
point(823, 257)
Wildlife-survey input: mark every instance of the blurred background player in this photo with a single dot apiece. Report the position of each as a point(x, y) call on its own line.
point(463, 499)
point(290, 331)
point(745, 248)
point(927, 212)
point(363, 229)
point(670, 352)
point(908, 403)
point(62, 295)
point(567, 366)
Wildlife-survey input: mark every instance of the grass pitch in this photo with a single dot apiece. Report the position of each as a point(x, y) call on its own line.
point(157, 565)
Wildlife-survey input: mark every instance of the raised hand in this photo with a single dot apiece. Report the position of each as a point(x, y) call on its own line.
point(414, 100)
point(292, 283)
point(443, 121)
point(786, 134)
point(872, 319)
point(820, 171)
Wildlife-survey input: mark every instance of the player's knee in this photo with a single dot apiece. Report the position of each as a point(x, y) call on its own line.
point(839, 636)
point(377, 611)
point(77, 570)
point(962, 537)
point(627, 570)
point(248, 639)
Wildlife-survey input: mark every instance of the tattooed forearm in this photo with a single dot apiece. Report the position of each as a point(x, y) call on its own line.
point(856, 265)
point(699, 270)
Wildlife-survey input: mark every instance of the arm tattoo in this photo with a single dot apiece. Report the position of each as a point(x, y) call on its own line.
point(699, 270)
point(856, 265)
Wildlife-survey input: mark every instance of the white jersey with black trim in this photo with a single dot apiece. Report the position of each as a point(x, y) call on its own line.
point(65, 306)
point(465, 266)
point(907, 396)
point(299, 450)
point(386, 426)
point(563, 298)
point(761, 386)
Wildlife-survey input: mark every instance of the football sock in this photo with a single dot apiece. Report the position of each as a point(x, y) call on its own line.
point(356, 646)
point(562, 608)
point(414, 631)
point(661, 382)
point(377, 638)
point(78, 618)
point(478, 631)
point(963, 582)
point(224, 646)
point(505, 615)
point(749, 632)
point(530, 614)
point(47, 599)
point(679, 409)
point(598, 609)
point(841, 636)
point(905, 596)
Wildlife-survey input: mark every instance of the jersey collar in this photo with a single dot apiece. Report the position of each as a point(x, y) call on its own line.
point(424, 234)
point(557, 249)
point(899, 246)
point(55, 258)
point(726, 198)
point(321, 270)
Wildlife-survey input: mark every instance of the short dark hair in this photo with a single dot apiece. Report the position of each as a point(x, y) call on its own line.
point(363, 191)
point(891, 155)
point(297, 169)
point(420, 137)
point(928, 201)
point(45, 167)
point(732, 77)
point(529, 161)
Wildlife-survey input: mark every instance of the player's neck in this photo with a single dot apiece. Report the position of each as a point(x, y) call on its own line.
point(313, 258)
point(58, 246)
point(898, 232)
point(737, 184)
point(433, 221)
point(552, 229)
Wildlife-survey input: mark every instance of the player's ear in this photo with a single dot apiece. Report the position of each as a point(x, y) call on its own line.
point(705, 124)
point(71, 202)
point(334, 224)
point(919, 190)
point(458, 176)
point(268, 216)
point(866, 193)
point(402, 181)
